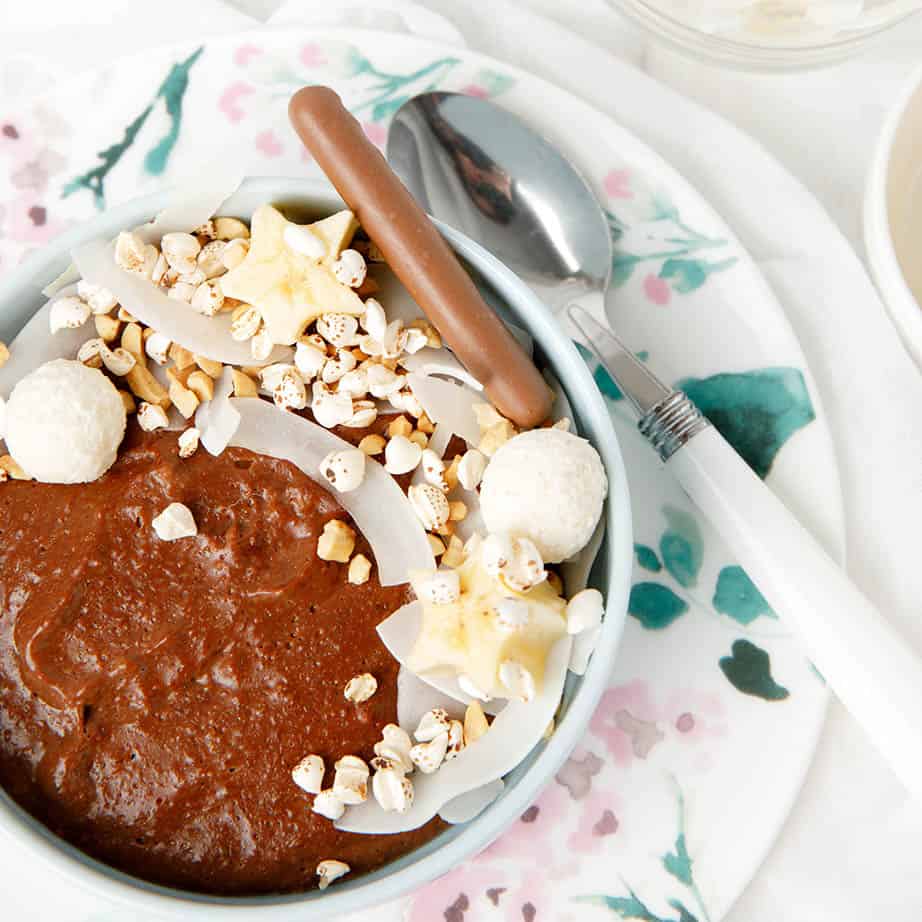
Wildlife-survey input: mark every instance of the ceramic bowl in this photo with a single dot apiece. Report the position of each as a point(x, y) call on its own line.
point(893, 216)
point(20, 297)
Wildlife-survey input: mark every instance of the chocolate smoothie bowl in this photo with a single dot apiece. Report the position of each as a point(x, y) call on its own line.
point(281, 610)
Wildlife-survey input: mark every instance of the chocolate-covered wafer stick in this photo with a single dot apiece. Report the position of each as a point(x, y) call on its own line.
point(419, 256)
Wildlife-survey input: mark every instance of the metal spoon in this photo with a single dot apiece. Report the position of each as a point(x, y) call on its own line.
point(479, 168)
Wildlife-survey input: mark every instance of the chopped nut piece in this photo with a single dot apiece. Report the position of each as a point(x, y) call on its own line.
point(174, 523)
point(209, 366)
point(125, 317)
point(244, 385)
point(201, 385)
point(360, 688)
point(230, 229)
point(400, 426)
point(128, 402)
point(4, 354)
point(183, 399)
point(107, 327)
point(451, 472)
point(372, 444)
point(436, 544)
point(365, 413)
point(188, 442)
point(182, 358)
point(308, 774)
point(454, 554)
point(329, 870)
point(328, 804)
point(495, 437)
point(419, 438)
point(9, 466)
point(133, 340)
point(424, 424)
point(179, 375)
point(457, 511)
point(475, 723)
point(336, 542)
point(359, 570)
point(487, 416)
point(151, 416)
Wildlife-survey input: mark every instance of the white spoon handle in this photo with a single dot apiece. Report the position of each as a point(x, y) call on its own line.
point(870, 667)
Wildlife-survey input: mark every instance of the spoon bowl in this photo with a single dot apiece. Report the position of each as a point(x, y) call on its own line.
point(483, 171)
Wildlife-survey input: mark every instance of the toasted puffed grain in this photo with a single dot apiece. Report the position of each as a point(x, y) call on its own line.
point(107, 327)
point(400, 425)
point(336, 542)
point(209, 366)
point(244, 385)
point(128, 402)
point(372, 444)
point(183, 399)
point(201, 385)
point(144, 385)
point(181, 357)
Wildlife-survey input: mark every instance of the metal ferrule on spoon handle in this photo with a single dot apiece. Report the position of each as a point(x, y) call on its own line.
point(873, 670)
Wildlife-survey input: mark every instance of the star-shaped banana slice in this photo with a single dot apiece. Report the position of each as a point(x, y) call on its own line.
point(486, 630)
point(289, 287)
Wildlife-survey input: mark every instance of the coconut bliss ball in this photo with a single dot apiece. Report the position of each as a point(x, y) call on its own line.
point(64, 423)
point(547, 485)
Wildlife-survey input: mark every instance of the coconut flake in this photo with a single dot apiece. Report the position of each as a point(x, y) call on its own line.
point(34, 345)
point(217, 419)
point(207, 336)
point(399, 632)
point(194, 201)
point(448, 403)
point(517, 729)
point(67, 279)
point(429, 361)
point(416, 698)
point(380, 509)
point(466, 807)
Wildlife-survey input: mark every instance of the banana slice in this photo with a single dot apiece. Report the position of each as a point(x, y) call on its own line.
point(487, 626)
point(290, 289)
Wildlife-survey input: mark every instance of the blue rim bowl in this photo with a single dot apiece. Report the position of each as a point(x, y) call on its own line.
point(20, 297)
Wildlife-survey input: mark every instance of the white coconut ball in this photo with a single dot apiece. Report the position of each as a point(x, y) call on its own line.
point(64, 423)
point(547, 485)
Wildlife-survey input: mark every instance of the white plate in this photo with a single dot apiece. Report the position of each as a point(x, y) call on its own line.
point(685, 778)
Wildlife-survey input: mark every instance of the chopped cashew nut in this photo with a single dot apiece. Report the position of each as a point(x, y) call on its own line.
point(359, 570)
point(175, 522)
point(336, 542)
point(475, 723)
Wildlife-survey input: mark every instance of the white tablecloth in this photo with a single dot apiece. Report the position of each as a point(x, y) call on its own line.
point(849, 851)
